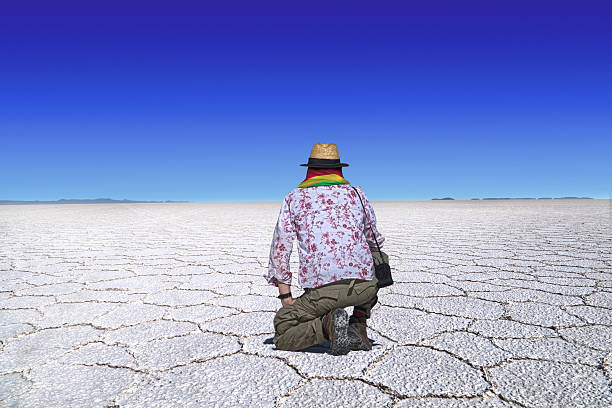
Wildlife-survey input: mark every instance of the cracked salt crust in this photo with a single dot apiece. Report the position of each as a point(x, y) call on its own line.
point(13, 385)
point(554, 349)
point(424, 289)
point(340, 394)
point(25, 302)
point(176, 297)
point(33, 349)
point(497, 304)
point(595, 336)
point(242, 324)
point(58, 385)
point(247, 381)
point(315, 362)
point(248, 303)
point(416, 325)
point(163, 354)
point(129, 314)
point(419, 371)
point(148, 331)
point(545, 384)
point(61, 314)
point(541, 314)
point(529, 295)
point(509, 329)
point(200, 313)
point(478, 351)
point(99, 353)
point(476, 402)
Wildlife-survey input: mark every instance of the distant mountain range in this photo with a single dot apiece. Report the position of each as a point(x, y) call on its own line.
point(522, 198)
point(82, 201)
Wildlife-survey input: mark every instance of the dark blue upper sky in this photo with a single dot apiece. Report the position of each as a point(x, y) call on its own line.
point(193, 102)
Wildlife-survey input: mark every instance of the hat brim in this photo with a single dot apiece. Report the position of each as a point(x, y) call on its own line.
point(314, 166)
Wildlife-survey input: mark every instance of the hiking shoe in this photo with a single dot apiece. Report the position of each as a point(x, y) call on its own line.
point(358, 335)
point(335, 328)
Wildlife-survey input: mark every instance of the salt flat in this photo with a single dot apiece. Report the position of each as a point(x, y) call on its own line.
point(497, 304)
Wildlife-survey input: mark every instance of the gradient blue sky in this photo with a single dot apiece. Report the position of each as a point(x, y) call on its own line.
point(147, 101)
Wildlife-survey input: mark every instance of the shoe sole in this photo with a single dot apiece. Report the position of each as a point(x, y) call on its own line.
point(340, 343)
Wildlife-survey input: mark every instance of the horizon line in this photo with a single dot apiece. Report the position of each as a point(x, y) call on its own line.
point(128, 201)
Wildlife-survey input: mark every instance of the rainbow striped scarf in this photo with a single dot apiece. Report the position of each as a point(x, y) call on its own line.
point(324, 180)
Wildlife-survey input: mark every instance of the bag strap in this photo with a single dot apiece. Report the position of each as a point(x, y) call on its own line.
point(366, 216)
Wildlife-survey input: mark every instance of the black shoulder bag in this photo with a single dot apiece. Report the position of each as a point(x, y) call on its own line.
point(382, 270)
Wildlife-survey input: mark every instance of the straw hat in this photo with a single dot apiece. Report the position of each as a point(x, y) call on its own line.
point(324, 155)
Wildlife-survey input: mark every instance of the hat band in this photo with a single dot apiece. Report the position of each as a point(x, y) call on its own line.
point(323, 162)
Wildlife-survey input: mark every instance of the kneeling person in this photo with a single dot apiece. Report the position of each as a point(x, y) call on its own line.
point(336, 242)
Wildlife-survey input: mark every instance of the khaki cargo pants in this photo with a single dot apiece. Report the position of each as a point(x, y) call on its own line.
point(299, 325)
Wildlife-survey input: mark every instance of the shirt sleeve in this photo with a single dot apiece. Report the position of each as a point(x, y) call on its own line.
point(371, 222)
point(280, 249)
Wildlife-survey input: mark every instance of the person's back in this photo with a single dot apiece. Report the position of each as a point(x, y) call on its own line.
point(336, 239)
point(333, 233)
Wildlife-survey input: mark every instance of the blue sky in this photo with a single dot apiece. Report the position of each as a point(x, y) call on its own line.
point(200, 103)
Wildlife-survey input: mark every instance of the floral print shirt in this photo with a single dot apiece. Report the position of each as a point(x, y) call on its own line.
point(333, 234)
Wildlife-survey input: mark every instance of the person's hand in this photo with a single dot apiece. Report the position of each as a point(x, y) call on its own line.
point(287, 301)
